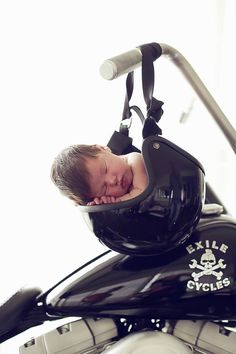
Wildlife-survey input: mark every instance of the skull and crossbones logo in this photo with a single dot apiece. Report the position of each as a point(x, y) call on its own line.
point(208, 266)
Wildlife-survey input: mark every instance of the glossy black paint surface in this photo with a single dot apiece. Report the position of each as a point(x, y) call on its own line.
point(164, 215)
point(196, 280)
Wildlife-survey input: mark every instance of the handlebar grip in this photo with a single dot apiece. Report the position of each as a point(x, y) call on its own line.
point(121, 64)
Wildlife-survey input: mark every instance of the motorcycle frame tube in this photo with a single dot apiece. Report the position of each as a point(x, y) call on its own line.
point(201, 90)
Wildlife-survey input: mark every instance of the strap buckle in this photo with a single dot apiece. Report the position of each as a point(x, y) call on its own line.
point(125, 125)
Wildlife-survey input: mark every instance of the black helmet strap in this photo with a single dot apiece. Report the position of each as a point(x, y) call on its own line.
point(120, 142)
point(150, 52)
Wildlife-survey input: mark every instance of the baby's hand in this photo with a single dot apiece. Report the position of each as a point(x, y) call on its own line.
point(91, 203)
point(105, 199)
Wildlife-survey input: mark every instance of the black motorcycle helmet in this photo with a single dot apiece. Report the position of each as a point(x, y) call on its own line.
point(164, 215)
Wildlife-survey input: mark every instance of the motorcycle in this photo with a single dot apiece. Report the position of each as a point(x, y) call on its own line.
point(166, 284)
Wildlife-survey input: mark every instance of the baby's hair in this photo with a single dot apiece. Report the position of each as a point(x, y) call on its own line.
point(70, 174)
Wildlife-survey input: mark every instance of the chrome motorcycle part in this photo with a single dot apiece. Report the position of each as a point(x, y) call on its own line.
point(82, 336)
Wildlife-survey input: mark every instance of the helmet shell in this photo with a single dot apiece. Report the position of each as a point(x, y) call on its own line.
point(164, 215)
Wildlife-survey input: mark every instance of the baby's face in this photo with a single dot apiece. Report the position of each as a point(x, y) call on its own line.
point(110, 175)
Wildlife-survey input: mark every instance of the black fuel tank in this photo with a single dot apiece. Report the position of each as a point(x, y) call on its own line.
point(196, 280)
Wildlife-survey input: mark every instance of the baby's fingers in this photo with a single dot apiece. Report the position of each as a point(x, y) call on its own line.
point(106, 199)
point(91, 203)
point(97, 201)
point(113, 199)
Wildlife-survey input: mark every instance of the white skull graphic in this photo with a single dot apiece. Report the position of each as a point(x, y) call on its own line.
point(208, 260)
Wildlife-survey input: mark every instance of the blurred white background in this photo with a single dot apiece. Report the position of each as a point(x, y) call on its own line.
point(52, 96)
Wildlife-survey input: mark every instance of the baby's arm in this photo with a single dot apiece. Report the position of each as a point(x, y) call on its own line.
point(140, 178)
point(132, 194)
